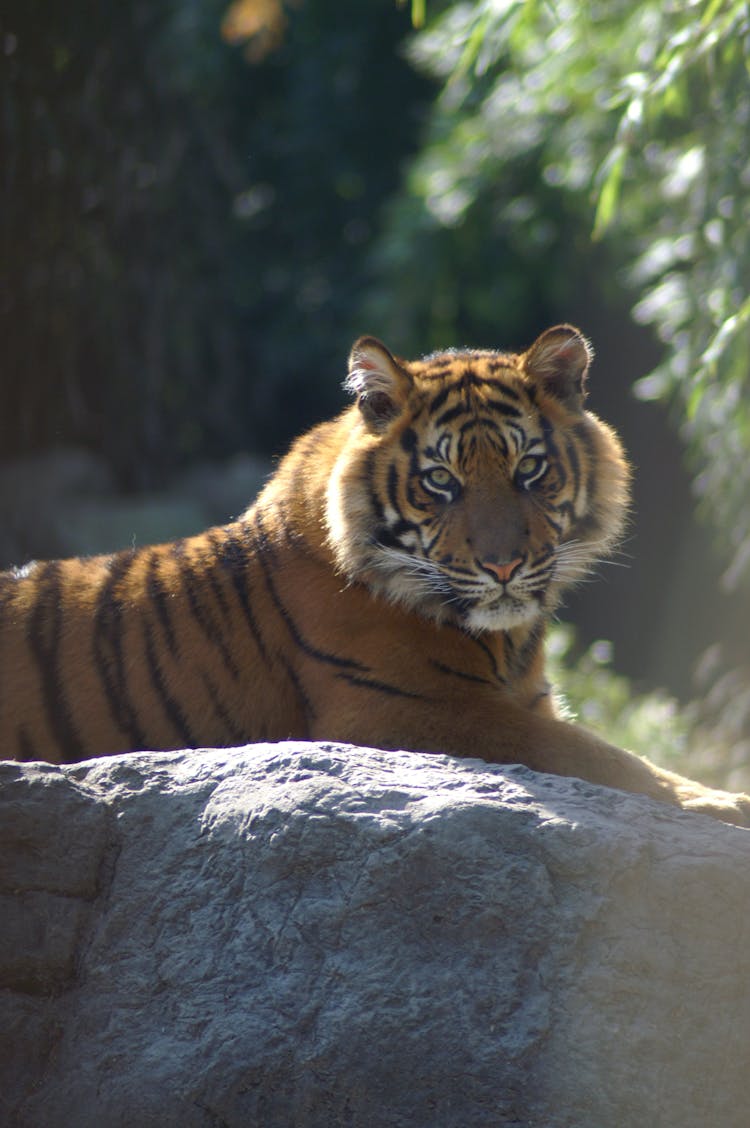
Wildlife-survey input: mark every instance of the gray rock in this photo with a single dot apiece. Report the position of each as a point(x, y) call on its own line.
point(318, 936)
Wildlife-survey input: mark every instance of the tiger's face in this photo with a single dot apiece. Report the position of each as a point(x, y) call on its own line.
point(474, 486)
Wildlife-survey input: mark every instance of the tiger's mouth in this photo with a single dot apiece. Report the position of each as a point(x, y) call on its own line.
point(471, 602)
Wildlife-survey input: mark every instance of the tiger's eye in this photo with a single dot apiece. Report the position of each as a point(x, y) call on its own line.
point(530, 467)
point(440, 480)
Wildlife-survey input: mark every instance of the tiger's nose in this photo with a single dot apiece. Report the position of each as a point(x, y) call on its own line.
point(503, 572)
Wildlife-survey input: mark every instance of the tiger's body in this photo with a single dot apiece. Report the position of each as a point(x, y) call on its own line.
point(390, 587)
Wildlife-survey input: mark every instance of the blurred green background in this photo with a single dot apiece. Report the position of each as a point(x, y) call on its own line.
point(203, 202)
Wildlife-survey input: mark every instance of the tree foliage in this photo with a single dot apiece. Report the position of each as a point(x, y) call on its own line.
point(626, 120)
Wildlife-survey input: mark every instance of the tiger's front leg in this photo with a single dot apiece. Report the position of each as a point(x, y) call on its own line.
point(597, 761)
point(729, 806)
point(502, 732)
point(616, 767)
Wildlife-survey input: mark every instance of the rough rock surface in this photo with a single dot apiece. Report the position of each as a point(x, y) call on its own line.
point(315, 936)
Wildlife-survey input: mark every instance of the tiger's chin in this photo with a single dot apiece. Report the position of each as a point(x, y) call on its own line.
point(503, 615)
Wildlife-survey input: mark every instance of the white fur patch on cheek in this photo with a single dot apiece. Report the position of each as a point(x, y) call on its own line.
point(335, 512)
point(409, 539)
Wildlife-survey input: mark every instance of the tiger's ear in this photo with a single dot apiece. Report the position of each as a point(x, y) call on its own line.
point(378, 381)
point(558, 362)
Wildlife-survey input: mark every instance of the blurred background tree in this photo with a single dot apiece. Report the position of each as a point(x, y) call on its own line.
point(203, 202)
point(184, 219)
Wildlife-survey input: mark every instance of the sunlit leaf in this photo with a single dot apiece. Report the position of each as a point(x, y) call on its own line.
point(418, 13)
point(609, 192)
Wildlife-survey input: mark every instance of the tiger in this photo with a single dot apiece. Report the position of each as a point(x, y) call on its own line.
point(390, 587)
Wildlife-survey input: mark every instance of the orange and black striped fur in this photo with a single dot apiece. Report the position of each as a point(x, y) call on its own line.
point(390, 587)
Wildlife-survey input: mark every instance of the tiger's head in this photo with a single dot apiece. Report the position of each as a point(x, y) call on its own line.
point(473, 486)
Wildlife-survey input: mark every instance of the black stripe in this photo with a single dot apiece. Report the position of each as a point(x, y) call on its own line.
point(500, 386)
point(556, 527)
point(456, 569)
point(417, 500)
point(564, 509)
point(233, 556)
point(473, 422)
point(452, 672)
point(408, 442)
point(375, 502)
point(380, 687)
point(483, 429)
point(519, 435)
point(393, 487)
point(489, 431)
point(305, 646)
point(440, 398)
point(108, 653)
point(575, 465)
point(583, 433)
point(588, 527)
point(495, 364)
point(158, 597)
point(488, 652)
point(169, 704)
point(451, 414)
point(439, 363)
point(210, 573)
point(391, 536)
point(235, 733)
point(430, 544)
point(503, 408)
point(538, 697)
point(203, 616)
point(467, 381)
point(45, 631)
point(519, 659)
point(261, 541)
point(307, 706)
point(541, 561)
point(471, 379)
point(552, 448)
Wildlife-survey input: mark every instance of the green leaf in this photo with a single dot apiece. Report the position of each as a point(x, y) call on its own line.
point(609, 194)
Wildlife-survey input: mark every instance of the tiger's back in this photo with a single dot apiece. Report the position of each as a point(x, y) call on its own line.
point(145, 649)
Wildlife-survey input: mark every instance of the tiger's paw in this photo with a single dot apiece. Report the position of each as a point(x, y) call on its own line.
point(730, 807)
